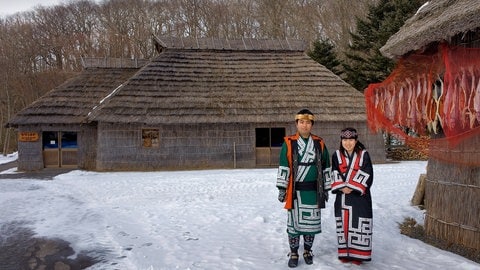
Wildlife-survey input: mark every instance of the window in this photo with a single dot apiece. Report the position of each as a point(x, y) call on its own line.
point(277, 135)
point(56, 139)
point(150, 137)
point(50, 139)
point(269, 137)
point(69, 140)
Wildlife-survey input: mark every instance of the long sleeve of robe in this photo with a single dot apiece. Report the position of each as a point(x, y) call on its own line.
point(353, 212)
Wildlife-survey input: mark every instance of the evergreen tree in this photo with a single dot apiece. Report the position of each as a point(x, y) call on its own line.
point(323, 53)
point(364, 63)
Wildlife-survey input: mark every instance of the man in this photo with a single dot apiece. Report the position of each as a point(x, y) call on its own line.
point(303, 182)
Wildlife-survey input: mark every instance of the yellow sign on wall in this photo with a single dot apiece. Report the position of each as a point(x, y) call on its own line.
point(28, 136)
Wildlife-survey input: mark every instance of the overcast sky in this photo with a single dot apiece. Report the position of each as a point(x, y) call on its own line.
point(9, 7)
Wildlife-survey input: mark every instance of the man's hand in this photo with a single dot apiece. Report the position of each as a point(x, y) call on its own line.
point(281, 194)
point(325, 194)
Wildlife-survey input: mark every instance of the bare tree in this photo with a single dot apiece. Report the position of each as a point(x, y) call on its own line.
point(338, 19)
point(84, 31)
point(240, 22)
point(271, 16)
point(41, 48)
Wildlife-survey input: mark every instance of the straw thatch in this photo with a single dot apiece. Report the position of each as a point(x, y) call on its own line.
point(243, 44)
point(435, 21)
point(201, 81)
point(71, 102)
point(452, 195)
point(240, 81)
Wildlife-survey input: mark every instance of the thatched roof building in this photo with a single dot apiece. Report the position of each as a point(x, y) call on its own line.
point(434, 22)
point(443, 40)
point(201, 103)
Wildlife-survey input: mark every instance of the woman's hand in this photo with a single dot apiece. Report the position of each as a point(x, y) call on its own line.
point(346, 190)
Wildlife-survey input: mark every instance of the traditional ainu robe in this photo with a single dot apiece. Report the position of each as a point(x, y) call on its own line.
point(303, 209)
point(353, 212)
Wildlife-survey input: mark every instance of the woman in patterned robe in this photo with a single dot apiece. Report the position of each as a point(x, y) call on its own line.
point(352, 173)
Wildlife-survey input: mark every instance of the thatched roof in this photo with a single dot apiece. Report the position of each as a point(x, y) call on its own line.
point(243, 44)
point(212, 83)
point(71, 102)
point(436, 20)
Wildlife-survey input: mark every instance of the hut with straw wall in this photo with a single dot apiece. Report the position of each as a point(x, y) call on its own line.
point(444, 36)
point(200, 103)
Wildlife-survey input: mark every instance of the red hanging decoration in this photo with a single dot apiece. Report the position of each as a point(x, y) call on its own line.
point(436, 95)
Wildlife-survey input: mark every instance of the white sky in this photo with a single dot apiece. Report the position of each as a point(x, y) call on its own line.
point(209, 219)
point(9, 7)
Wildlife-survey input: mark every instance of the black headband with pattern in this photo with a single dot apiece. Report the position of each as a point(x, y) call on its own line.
point(348, 134)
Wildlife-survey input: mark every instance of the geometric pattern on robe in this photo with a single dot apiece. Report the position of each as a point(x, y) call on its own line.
point(353, 212)
point(305, 216)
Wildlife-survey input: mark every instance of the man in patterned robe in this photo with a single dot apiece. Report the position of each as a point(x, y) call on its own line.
point(303, 182)
point(352, 172)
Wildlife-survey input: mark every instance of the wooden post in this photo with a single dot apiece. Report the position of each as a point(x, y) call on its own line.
point(234, 156)
point(7, 142)
point(418, 196)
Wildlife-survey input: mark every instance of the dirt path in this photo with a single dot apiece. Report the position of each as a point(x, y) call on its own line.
point(45, 174)
point(20, 249)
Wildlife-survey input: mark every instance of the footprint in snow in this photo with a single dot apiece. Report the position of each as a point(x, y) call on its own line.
point(188, 237)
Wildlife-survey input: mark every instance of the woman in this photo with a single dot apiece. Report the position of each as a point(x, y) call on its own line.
point(353, 177)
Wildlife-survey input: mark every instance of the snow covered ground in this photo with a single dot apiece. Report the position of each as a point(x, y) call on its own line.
point(208, 219)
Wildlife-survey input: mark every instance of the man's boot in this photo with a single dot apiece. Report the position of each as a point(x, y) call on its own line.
point(308, 256)
point(293, 261)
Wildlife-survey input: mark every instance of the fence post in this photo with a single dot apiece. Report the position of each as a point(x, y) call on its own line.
point(234, 156)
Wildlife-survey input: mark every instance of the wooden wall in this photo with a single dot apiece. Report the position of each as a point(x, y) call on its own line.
point(181, 147)
point(30, 154)
point(201, 146)
point(115, 147)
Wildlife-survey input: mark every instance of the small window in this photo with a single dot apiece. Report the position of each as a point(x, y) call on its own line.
point(269, 137)
point(50, 139)
point(69, 140)
point(277, 136)
point(150, 137)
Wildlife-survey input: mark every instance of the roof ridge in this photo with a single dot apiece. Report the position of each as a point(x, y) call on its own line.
point(247, 44)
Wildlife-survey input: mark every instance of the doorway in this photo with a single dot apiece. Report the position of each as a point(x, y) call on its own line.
point(60, 149)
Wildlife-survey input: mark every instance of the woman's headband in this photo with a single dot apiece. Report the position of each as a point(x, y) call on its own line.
point(348, 134)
